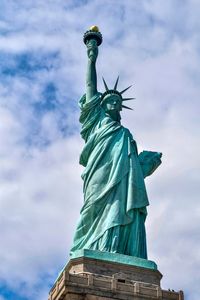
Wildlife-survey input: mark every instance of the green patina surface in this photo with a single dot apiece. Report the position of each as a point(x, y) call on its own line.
point(115, 257)
point(113, 215)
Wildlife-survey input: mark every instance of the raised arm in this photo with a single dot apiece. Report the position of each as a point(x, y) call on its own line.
point(91, 76)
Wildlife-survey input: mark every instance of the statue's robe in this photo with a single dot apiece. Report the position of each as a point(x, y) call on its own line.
point(115, 199)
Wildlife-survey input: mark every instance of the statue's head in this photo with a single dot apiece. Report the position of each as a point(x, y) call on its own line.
point(112, 101)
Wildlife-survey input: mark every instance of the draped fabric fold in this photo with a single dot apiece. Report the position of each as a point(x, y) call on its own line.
point(115, 199)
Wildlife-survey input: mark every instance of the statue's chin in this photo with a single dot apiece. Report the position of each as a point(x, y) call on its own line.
point(114, 114)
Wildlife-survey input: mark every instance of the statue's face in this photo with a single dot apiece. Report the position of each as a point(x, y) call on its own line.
point(112, 103)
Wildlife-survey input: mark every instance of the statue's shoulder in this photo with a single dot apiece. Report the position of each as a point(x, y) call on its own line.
point(94, 101)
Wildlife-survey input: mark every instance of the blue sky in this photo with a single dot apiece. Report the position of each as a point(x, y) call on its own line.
point(152, 44)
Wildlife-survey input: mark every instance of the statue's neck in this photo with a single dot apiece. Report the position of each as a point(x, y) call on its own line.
point(115, 115)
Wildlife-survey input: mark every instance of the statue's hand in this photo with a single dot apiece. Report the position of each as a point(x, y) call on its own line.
point(92, 50)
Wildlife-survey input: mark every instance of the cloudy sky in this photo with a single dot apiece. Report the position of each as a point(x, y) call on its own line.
point(152, 44)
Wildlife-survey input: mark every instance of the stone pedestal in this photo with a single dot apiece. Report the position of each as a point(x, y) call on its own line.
point(94, 275)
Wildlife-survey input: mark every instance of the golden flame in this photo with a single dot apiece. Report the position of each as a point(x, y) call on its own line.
point(94, 28)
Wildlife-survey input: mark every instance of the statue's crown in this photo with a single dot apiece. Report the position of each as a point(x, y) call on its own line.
point(116, 92)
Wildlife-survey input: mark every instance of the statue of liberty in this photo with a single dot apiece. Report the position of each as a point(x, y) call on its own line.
point(112, 218)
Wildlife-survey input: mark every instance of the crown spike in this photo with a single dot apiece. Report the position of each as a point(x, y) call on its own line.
point(127, 99)
point(116, 83)
point(125, 89)
point(124, 106)
point(106, 87)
